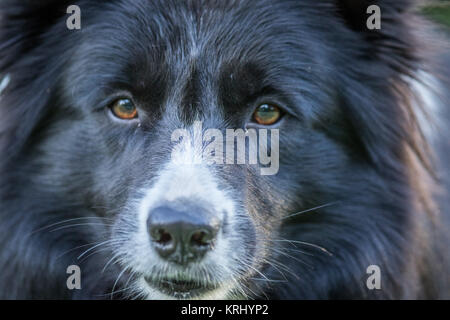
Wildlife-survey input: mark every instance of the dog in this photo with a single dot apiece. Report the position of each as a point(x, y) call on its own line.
point(103, 194)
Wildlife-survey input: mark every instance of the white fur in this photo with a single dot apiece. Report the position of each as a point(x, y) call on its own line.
point(4, 83)
point(184, 177)
point(428, 89)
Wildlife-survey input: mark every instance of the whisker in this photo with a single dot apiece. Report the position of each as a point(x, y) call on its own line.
point(241, 288)
point(126, 288)
point(64, 221)
point(79, 225)
point(75, 248)
point(132, 274)
point(94, 252)
point(115, 256)
point(271, 280)
point(117, 280)
point(277, 264)
point(304, 243)
point(298, 251)
point(256, 270)
point(270, 263)
point(292, 257)
point(310, 209)
point(96, 246)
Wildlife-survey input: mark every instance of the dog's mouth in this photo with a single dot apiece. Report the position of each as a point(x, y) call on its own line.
point(181, 289)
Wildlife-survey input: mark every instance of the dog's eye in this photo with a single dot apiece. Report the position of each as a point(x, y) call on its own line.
point(267, 114)
point(124, 109)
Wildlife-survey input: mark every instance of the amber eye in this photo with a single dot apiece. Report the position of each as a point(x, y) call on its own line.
point(267, 114)
point(124, 109)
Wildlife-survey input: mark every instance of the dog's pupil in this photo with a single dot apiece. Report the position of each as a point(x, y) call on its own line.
point(126, 106)
point(267, 114)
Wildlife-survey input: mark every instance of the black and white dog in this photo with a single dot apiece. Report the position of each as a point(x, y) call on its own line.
point(102, 128)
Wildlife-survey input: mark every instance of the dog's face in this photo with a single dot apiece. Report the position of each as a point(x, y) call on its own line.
point(189, 229)
point(138, 72)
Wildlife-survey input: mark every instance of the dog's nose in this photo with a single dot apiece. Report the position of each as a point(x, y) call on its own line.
point(182, 236)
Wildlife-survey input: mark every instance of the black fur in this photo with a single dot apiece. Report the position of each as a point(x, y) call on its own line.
point(349, 140)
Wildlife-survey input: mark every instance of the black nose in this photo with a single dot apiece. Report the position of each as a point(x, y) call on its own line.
point(182, 236)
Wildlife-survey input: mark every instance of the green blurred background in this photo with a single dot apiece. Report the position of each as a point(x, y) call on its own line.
point(438, 11)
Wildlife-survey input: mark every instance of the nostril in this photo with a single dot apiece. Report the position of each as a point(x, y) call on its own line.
point(162, 237)
point(201, 238)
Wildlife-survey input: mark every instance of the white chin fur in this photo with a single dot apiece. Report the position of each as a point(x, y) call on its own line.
point(150, 293)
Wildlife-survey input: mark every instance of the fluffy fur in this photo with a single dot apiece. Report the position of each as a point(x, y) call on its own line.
point(353, 161)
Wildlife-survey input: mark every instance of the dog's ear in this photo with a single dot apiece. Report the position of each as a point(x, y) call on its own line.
point(27, 59)
point(392, 40)
point(23, 24)
point(392, 57)
point(355, 12)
